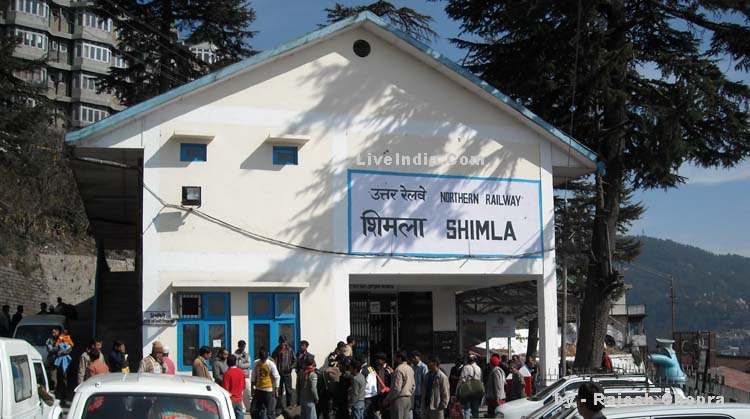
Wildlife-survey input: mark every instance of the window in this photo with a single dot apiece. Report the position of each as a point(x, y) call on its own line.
point(35, 76)
point(284, 155)
point(120, 61)
point(91, 20)
point(83, 113)
point(41, 377)
point(203, 320)
point(133, 405)
point(93, 52)
point(272, 315)
point(193, 152)
point(19, 365)
point(32, 7)
point(31, 39)
point(86, 82)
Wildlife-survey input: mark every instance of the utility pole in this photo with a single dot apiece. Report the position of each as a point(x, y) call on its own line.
point(563, 337)
point(672, 297)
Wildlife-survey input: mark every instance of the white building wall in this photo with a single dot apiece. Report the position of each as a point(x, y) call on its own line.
point(350, 108)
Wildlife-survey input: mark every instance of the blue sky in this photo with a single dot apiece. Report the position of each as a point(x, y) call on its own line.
point(710, 211)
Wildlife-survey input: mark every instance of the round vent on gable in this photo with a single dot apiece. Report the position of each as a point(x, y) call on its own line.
point(361, 48)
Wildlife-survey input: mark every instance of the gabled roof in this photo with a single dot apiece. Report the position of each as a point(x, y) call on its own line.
point(361, 19)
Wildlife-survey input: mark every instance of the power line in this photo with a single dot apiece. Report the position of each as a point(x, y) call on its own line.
point(168, 73)
point(289, 245)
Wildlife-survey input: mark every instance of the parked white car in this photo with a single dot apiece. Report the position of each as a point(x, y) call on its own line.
point(672, 411)
point(614, 393)
point(37, 328)
point(22, 380)
point(566, 385)
point(150, 396)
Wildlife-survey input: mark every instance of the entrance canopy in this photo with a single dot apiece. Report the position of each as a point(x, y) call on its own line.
point(109, 184)
point(518, 300)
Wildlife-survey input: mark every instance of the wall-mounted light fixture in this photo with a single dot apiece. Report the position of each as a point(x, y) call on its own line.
point(191, 196)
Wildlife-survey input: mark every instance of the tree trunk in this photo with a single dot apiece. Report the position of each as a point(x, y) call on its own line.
point(603, 280)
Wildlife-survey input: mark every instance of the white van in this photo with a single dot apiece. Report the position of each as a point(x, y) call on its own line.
point(36, 329)
point(21, 373)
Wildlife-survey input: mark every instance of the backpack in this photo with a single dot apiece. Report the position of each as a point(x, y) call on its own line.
point(322, 384)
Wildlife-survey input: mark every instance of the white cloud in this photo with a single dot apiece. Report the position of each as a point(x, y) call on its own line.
point(701, 176)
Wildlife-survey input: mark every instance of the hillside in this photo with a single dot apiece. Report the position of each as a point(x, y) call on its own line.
point(713, 291)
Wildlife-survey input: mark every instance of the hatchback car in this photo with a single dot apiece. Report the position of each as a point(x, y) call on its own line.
point(150, 396)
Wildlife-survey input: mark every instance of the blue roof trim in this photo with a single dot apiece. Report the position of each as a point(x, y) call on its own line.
point(316, 35)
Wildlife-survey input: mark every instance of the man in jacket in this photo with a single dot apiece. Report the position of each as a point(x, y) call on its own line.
point(265, 383)
point(495, 386)
point(470, 371)
point(85, 360)
point(152, 363)
point(420, 371)
point(355, 398)
point(284, 358)
point(402, 388)
point(219, 366)
point(517, 386)
point(200, 369)
point(307, 388)
point(435, 391)
point(243, 363)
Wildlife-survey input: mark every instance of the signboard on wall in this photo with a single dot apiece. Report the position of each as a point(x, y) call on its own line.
point(501, 326)
point(158, 318)
point(412, 214)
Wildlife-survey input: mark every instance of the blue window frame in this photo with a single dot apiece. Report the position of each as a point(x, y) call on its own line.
point(270, 316)
point(193, 152)
point(204, 321)
point(283, 155)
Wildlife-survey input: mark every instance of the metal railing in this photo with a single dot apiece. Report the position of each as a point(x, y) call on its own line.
point(636, 309)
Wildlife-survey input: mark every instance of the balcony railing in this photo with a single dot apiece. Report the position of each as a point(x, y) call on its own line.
point(636, 309)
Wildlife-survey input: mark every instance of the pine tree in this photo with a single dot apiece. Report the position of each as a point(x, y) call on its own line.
point(156, 62)
point(600, 58)
point(406, 19)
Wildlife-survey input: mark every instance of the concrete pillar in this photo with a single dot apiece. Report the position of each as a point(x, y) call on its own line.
point(547, 283)
point(443, 309)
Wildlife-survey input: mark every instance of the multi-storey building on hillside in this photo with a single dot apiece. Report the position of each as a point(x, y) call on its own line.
point(78, 47)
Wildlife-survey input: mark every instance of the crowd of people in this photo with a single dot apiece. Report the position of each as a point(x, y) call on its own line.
point(9, 322)
point(344, 386)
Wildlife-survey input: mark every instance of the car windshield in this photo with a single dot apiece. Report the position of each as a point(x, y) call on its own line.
point(547, 390)
point(149, 406)
point(34, 334)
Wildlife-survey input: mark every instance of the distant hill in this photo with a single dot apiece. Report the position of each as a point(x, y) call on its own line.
point(713, 291)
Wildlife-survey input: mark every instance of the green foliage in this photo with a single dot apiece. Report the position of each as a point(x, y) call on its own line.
point(633, 81)
point(38, 199)
point(406, 19)
point(575, 205)
point(155, 61)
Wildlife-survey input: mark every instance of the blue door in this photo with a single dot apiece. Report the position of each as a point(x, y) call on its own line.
point(272, 315)
point(204, 321)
